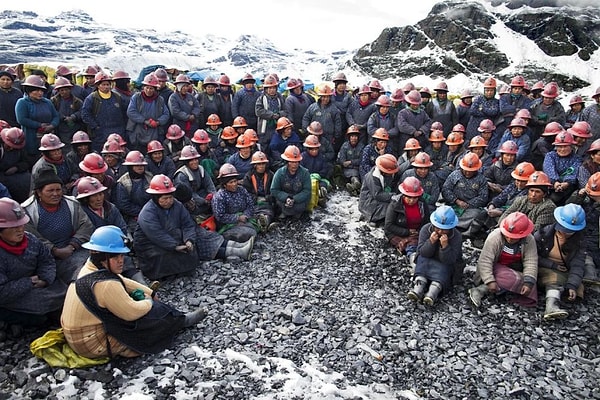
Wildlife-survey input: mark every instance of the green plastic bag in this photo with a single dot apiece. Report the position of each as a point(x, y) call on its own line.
point(54, 349)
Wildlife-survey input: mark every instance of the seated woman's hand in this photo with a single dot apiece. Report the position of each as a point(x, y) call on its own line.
point(63, 253)
point(493, 287)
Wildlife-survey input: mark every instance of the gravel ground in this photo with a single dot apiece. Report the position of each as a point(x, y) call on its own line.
point(321, 312)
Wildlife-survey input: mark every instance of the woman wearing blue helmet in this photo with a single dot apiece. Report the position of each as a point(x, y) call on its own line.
point(107, 315)
point(562, 258)
point(439, 252)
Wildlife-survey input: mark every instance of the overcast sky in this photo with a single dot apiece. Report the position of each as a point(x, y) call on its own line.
point(318, 24)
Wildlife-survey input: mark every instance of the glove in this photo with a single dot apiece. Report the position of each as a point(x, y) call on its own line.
point(137, 294)
point(209, 197)
point(153, 123)
point(190, 246)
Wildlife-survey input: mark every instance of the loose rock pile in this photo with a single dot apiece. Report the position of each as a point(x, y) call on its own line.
point(330, 293)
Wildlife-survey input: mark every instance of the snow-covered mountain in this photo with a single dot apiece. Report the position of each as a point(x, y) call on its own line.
point(74, 38)
point(542, 40)
point(460, 41)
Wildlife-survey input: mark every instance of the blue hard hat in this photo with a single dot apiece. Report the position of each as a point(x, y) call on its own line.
point(570, 216)
point(107, 239)
point(444, 217)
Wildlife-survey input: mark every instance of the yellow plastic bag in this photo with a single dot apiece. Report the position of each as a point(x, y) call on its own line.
point(54, 349)
point(314, 193)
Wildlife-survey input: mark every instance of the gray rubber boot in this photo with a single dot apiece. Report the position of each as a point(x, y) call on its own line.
point(553, 311)
point(432, 294)
point(241, 250)
point(193, 317)
point(477, 293)
point(416, 294)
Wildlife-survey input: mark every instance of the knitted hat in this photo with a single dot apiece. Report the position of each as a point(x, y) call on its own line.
point(6, 73)
point(46, 177)
point(183, 193)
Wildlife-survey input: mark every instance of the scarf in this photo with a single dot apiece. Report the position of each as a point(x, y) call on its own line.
point(148, 99)
point(17, 250)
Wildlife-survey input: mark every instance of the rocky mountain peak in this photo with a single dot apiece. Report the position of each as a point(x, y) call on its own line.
point(465, 37)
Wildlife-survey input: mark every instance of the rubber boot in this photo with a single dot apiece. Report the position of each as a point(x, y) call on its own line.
point(477, 293)
point(416, 294)
point(432, 294)
point(553, 311)
point(193, 317)
point(241, 250)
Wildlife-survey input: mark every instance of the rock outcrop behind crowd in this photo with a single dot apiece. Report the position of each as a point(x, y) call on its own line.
point(461, 37)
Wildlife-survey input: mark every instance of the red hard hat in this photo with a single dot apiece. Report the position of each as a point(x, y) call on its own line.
point(135, 157)
point(523, 171)
point(101, 77)
point(454, 139)
point(182, 78)
point(383, 101)
point(248, 78)
point(550, 90)
point(154, 146)
point(408, 87)
point(80, 137)
point(577, 99)
point(270, 81)
point(564, 139)
point(441, 87)
point(292, 84)
point(471, 162)
point(50, 142)
point(413, 97)
point(201, 136)
point(592, 186)
point(224, 80)
point(160, 184)
point(228, 133)
point(477, 141)
point(93, 163)
point(62, 82)
point(509, 147)
point(375, 84)
point(259, 157)
point(312, 141)
point(422, 160)
point(251, 133)
point(397, 96)
point(88, 186)
point(116, 138)
point(352, 129)
point(523, 113)
point(459, 128)
point(595, 146)
point(175, 132)
point(538, 178)
point(34, 81)
point(161, 74)
point(411, 187)
point(517, 81)
point(12, 214)
point(581, 129)
point(436, 126)
point(13, 137)
point(325, 90)
point(437, 136)
point(518, 122)
point(111, 147)
point(239, 122)
point(412, 144)
point(188, 152)
point(120, 75)
point(339, 77)
point(209, 80)
point(213, 119)
point(490, 83)
point(90, 71)
point(552, 129)
point(387, 164)
point(282, 123)
point(539, 85)
point(516, 225)
point(365, 89)
point(244, 141)
point(381, 134)
point(227, 170)
point(486, 125)
point(151, 80)
point(315, 128)
point(292, 153)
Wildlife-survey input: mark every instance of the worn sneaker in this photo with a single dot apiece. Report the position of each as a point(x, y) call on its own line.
point(263, 222)
point(322, 192)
